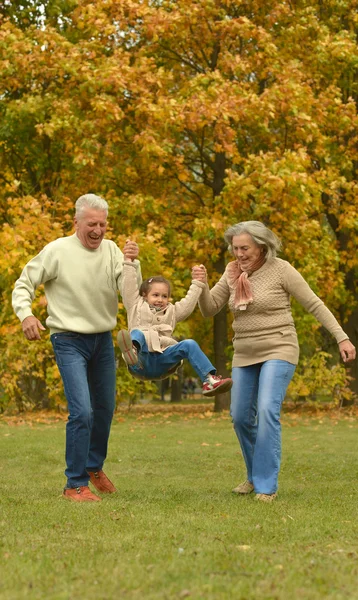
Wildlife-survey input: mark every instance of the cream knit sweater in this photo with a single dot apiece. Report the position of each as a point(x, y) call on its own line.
point(81, 285)
point(266, 330)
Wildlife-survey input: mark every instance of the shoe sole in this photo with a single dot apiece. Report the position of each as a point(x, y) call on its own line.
point(220, 389)
point(126, 346)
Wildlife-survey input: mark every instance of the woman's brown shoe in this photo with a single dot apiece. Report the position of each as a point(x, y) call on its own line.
point(266, 497)
point(244, 488)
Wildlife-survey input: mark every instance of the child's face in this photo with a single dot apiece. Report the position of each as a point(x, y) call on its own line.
point(158, 295)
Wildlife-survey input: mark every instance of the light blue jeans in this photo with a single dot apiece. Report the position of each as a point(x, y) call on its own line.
point(156, 364)
point(87, 366)
point(256, 399)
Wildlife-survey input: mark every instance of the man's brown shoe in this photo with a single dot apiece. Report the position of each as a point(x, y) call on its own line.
point(80, 494)
point(101, 482)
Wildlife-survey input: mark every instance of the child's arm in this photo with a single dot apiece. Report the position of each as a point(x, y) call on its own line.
point(130, 289)
point(129, 254)
point(211, 301)
point(185, 307)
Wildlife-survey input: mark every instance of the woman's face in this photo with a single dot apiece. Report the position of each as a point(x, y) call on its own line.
point(245, 250)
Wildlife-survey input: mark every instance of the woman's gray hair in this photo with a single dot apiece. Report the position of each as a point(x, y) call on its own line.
point(262, 236)
point(90, 201)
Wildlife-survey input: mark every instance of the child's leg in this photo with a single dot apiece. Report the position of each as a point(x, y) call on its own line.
point(190, 350)
point(129, 351)
point(138, 340)
point(136, 354)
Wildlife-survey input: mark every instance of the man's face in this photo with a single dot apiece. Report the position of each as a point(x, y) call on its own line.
point(91, 227)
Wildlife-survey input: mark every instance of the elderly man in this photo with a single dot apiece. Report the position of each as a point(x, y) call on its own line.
point(81, 274)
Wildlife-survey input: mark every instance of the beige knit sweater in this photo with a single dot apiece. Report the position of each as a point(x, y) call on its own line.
point(157, 326)
point(266, 330)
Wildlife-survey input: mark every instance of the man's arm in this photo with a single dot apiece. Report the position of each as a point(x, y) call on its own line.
point(31, 328)
point(23, 295)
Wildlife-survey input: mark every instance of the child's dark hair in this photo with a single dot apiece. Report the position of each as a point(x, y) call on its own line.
point(147, 284)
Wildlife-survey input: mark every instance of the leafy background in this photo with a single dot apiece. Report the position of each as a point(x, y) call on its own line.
point(187, 117)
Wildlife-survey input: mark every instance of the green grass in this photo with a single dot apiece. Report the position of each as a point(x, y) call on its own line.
point(174, 530)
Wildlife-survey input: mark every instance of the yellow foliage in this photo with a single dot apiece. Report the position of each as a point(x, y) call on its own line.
point(187, 117)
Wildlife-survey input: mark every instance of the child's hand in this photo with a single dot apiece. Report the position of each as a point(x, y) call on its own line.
point(199, 272)
point(130, 250)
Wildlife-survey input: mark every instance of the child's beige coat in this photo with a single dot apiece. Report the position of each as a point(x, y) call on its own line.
point(158, 326)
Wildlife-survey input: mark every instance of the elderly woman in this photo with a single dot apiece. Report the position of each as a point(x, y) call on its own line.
point(258, 285)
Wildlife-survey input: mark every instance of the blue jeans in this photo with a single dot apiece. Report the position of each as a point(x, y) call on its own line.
point(87, 366)
point(256, 399)
point(155, 364)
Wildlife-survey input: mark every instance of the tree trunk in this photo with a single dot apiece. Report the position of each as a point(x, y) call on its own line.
point(350, 326)
point(176, 386)
point(351, 329)
point(222, 401)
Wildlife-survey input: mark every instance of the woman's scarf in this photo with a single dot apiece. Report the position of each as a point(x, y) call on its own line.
point(239, 279)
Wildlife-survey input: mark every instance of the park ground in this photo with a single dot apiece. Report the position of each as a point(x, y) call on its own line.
point(174, 530)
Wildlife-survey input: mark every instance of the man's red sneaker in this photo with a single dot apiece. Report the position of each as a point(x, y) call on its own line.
point(101, 482)
point(214, 384)
point(80, 494)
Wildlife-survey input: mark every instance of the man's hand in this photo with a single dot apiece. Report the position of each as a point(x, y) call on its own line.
point(347, 350)
point(31, 326)
point(199, 272)
point(130, 250)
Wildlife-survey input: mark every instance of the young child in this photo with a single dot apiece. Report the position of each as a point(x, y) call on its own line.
point(149, 349)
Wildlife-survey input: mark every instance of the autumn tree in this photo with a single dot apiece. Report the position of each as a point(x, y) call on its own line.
point(247, 112)
point(189, 116)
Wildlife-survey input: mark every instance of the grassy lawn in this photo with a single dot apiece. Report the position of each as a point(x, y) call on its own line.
point(174, 530)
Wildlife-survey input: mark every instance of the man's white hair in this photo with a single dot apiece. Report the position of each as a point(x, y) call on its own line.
point(90, 201)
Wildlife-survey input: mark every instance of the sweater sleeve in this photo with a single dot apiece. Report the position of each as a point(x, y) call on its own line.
point(130, 283)
point(37, 271)
point(212, 301)
point(120, 261)
point(296, 285)
point(185, 307)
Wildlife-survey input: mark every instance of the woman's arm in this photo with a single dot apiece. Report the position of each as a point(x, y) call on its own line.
point(298, 287)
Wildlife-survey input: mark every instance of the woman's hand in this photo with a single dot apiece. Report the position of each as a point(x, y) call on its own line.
point(347, 350)
point(198, 272)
